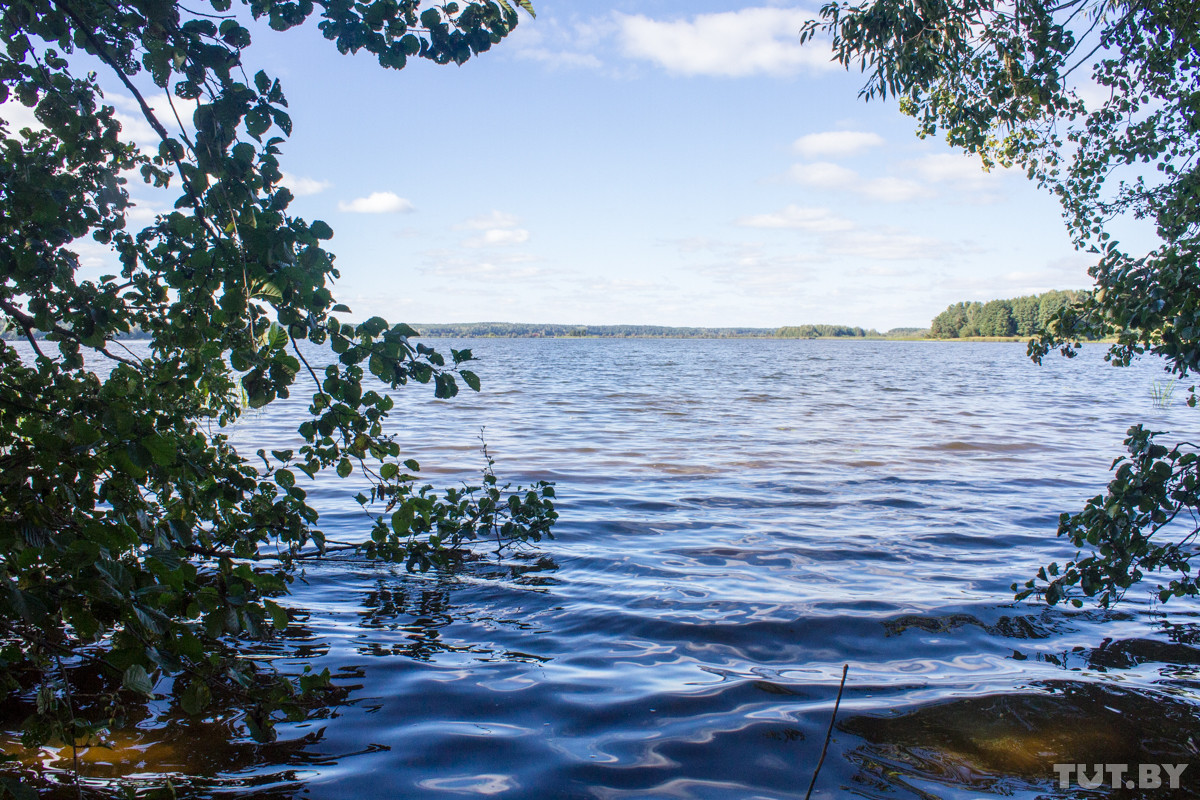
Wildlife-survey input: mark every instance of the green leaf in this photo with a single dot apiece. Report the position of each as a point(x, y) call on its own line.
point(195, 698)
point(136, 680)
point(279, 617)
point(471, 379)
point(267, 289)
point(402, 519)
point(344, 468)
point(404, 330)
point(374, 326)
point(162, 449)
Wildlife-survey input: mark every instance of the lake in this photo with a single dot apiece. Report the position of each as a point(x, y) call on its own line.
point(739, 519)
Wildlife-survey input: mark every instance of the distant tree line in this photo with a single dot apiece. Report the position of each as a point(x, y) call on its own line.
point(468, 330)
point(1020, 316)
point(907, 333)
point(9, 331)
point(823, 332)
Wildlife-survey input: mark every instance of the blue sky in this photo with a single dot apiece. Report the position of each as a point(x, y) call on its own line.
point(659, 162)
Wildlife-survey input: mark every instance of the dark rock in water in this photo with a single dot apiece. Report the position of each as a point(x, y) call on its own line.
point(1025, 735)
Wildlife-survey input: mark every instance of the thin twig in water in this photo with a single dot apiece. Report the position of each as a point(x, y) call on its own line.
point(74, 733)
point(828, 733)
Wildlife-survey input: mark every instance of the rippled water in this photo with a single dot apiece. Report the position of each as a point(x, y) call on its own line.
point(739, 519)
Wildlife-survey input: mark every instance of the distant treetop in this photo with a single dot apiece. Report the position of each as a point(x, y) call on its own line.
point(1020, 316)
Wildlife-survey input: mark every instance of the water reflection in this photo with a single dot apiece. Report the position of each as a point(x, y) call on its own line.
point(161, 752)
point(405, 616)
point(734, 529)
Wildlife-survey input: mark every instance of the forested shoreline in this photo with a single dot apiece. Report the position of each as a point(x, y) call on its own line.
point(1015, 317)
point(521, 330)
point(1019, 316)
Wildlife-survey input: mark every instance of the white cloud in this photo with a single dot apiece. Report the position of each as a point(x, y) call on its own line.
point(561, 45)
point(891, 190)
point(836, 144)
point(560, 58)
point(1093, 95)
point(751, 41)
point(94, 256)
point(496, 219)
point(144, 213)
point(377, 203)
point(755, 270)
point(818, 220)
point(963, 175)
point(18, 116)
point(823, 174)
point(499, 230)
point(499, 237)
point(882, 271)
point(165, 108)
point(827, 175)
point(953, 168)
point(303, 187)
point(889, 246)
point(503, 268)
point(134, 126)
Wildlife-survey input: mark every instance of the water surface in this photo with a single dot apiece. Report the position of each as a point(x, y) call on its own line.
point(739, 519)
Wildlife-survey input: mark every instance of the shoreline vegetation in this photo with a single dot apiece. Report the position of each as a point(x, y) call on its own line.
point(1010, 320)
point(483, 330)
point(536, 331)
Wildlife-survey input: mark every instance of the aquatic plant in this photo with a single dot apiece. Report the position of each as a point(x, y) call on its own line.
point(1161, 391)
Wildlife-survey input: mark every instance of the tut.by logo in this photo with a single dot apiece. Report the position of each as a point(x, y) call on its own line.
point(1119, 776)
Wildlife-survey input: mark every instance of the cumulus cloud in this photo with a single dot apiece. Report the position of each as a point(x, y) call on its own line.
point(823, 174)
point(961, 174)
point(499, 229)
point(817, 220)
point(952, 168)
point(891, 190)
point(144, 213)
point(751, 41)
point(303, 187)
point(560, 58)
point(563, 45)
point(754, 270)
point(500, 237)
point(169, 111)
point(836, 144)
point(128, 112)
point(889, 246)
point(497, 269)
point(886, 189)
point(496, 219)
point(18, 116)
point(377, 203)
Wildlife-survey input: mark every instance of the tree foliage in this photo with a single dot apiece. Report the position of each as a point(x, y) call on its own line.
point(1018, 316)
point(822, 331)
point(998, 80)
point(135, 539)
